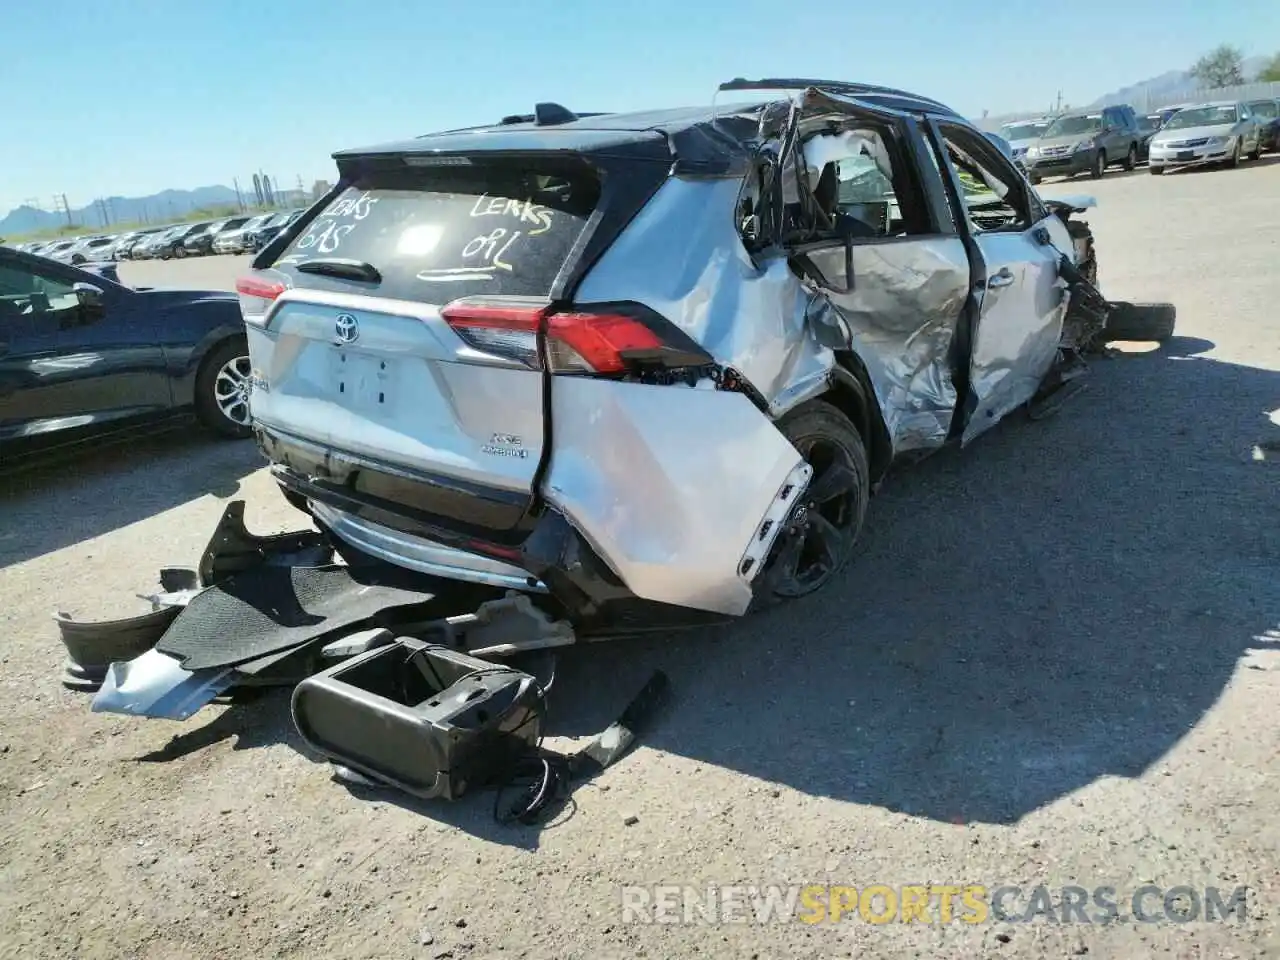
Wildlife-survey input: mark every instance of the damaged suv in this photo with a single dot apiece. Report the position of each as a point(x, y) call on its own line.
point(656, 363)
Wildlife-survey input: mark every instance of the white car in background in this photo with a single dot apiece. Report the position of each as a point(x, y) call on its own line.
point(1221, 132)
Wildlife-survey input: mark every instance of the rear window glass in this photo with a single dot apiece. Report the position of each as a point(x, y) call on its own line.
point(439, 233)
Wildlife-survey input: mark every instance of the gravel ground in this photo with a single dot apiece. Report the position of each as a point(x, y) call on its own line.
point(1054, 663)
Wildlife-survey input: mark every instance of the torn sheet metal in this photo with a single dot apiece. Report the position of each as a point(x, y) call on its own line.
point(902, 315)
point(670, 484)
point(155, 685)
point(749, 319)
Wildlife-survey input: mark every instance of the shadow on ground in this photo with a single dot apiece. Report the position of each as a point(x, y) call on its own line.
point(74, 495)
point(1061, 602)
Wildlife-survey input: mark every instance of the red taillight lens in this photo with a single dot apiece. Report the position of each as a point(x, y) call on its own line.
point(596, 342)
point(256, 297)
point(608, 340)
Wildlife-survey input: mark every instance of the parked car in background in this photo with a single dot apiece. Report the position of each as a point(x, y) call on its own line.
point(129, 242)
point(272, 228)
point(81, 354)
point(144, 248)
point(172, 243)
point(200, 242)
point(1267, 113)
point(1164, 113)
point(105, 251)
point(1023, 133)
point(1085, 142)
point(678, 395)
point(1148, 126)
point(1219, 132)
point(1007, 149)
point(57, 248)
point(236, 240)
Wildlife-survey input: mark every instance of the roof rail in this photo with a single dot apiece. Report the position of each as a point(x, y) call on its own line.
point(548, 115)
point(835, 86)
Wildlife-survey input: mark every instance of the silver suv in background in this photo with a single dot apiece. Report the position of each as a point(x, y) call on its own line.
point(1023, 134)
point(649, 368)
point(1086, 141)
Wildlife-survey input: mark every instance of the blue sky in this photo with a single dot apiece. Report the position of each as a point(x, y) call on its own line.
point(131, 96)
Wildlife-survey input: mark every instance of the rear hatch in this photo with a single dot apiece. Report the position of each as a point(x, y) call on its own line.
point(372, 376)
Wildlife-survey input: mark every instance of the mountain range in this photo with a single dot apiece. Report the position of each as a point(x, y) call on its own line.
point(1172, 85)
point(162, 207)
point(157, 208)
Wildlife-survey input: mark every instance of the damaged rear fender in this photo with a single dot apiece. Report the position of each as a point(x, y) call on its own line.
point(675, 488)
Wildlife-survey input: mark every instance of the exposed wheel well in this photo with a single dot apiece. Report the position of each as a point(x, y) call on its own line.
point(852, 394)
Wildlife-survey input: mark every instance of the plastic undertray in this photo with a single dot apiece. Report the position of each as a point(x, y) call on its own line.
point(425, 719)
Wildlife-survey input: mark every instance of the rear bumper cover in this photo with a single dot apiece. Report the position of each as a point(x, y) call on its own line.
point(658, 493)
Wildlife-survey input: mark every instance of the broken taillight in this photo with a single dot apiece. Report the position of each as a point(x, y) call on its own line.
point(597, 339)
point(256, 297)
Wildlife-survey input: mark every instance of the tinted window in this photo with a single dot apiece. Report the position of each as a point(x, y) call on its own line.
point(24, 292)
point(1075, 126)
point(1023, 131)
point(438, 233)
point(1265, 109)
point(1202, 117)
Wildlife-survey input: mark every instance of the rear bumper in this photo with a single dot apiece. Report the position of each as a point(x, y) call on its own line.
point(421, 554)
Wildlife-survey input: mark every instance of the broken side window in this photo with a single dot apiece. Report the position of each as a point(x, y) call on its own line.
point(862, 186)
point(990, 189)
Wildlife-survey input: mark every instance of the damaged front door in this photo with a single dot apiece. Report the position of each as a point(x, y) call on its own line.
point(877, 252)
point(1020, 322)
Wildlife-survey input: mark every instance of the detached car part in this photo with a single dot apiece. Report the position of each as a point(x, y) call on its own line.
point(92, 647)
point(427, 720)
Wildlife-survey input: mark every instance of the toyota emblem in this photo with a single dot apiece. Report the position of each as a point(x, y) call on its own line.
point(346, 328)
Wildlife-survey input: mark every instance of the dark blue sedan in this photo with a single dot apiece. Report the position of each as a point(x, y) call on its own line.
point(81, 354)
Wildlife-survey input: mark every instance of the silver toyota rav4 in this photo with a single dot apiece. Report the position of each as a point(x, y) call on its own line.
point(651, 367)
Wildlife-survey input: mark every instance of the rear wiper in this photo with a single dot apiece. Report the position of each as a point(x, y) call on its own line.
point(340, 267)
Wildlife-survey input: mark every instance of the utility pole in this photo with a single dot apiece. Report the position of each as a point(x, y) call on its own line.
point(1058, 108)
point(60, 203)
point(235, 181)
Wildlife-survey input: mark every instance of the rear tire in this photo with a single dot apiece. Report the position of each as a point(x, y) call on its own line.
point(1131, 158)
point(823, 528)
point(1099, 165)
point(1234, 162)
point(1256, 154)
point(222, 389)
point(1156, 171)
point(1140, 321)
point(179, 252)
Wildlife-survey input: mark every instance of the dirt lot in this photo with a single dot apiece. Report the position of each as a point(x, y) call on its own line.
point(1055, 663)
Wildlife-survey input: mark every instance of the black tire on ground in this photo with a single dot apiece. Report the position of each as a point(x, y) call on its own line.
point(1099, 165)
point(1131, 158)
point(1256, 153)
point(1234, 162)
point(206, 399)
point(807, 557)
point(1156, 171)
point(1140, 321)
point(179, 251)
